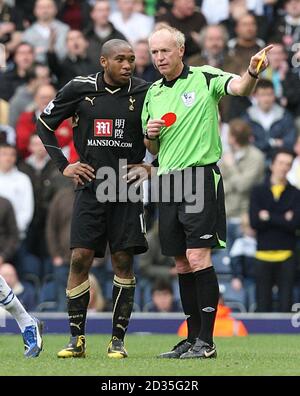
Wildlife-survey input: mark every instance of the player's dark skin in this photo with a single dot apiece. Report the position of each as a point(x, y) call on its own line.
point(118, 64)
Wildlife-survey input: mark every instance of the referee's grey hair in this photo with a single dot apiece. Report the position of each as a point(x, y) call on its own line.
point(204, 30)
point(177, 34)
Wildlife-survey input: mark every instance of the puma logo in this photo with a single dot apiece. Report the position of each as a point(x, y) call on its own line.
point(90, 99)
point(76, 325)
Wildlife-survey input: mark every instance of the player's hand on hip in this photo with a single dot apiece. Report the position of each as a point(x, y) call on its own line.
point(79, 172)
point(154, 127)
point(259, 62)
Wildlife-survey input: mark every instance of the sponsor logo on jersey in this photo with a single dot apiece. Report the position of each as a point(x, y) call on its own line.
point(188, 98)
point(103, 128)
point(49, 107)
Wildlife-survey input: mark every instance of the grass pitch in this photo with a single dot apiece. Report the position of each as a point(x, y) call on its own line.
point(252, 355)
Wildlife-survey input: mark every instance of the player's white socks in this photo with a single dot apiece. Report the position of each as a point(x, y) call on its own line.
point(12, 304)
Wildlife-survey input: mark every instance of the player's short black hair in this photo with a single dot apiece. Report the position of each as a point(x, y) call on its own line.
point(111, 45)
point(4, 144)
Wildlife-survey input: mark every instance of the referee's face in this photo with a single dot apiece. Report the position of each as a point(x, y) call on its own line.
point(118, 66)
point(166, 54)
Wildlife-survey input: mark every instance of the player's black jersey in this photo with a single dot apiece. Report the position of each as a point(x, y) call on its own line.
point(106, 120)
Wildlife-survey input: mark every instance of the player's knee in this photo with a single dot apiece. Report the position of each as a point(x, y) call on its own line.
point(182, 265)
point(81, 261)
point(199, 259)
point(123, 264)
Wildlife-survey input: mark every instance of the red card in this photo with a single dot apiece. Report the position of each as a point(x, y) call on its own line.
point(169, 118)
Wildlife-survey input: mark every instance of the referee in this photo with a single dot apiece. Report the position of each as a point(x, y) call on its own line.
point(180, 120)
point(106, 112)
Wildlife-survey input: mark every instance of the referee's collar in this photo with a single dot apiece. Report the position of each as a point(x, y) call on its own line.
point(183, 75)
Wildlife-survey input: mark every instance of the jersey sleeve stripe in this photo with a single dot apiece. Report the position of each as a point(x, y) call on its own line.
point(43, 122)
point(226, 85)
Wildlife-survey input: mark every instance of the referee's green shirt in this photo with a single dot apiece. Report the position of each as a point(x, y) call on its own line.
point(194, 139)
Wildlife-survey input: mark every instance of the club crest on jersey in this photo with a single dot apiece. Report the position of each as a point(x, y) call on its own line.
point(132, 101)
point(103, 128)
point(188, 98)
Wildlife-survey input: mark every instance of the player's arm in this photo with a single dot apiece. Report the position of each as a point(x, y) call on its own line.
point(61, 108)
point(245, 85)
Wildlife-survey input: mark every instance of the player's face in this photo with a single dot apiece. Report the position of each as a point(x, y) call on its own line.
point(118, 67)
point(166, 55)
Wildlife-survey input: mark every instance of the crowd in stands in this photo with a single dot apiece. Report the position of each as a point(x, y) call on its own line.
point(46, 43)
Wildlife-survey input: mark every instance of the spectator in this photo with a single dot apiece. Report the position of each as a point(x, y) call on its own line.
point(9, 238)
point(272, 126)
point(275, 215)
point(74, 13)
point(238, 8)
point(242, 168)
point(39, 74)
point(11, 25)
point(242, 262)
point(294, 174)
point(58, 240)
point(100, 31)
point(39, 33)
point(185, 17)
point(213, 40)
point(16, 187)
point(76, 62)
point(24, 291)
point(163, 298)
point(246, 43)
point(286, 28)
point(153, 265)
point(286, 83)
point(46, 180)
point(10, 80)
point(134, 25)
point(26, 124)
point(144, 68)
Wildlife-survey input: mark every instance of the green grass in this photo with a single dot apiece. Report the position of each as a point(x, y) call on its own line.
point(253, 355)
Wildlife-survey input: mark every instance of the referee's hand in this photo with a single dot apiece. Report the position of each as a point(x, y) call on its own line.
point(79, 172)
point(154, 127)
point(138, 173)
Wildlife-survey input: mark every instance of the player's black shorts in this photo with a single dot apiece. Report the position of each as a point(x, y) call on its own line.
point(180, 230)
point(94, 224)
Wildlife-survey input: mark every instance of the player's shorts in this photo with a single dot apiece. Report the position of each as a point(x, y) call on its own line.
point(94, 224)
point(180, 230)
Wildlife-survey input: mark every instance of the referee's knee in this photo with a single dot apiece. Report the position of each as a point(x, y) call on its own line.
point(199, 259)
point(81, 260)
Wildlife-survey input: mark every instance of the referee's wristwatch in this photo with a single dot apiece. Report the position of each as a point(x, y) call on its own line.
point(148, 137)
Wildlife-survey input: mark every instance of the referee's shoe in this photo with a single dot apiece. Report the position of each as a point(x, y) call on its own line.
point(75, 348)
point(200, 350)
point(116, 349)
point(180, 348)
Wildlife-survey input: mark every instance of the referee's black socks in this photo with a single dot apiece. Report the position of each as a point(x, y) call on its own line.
point(188, 295)
point(207, 299)
point(78, 300)
point(123, 299)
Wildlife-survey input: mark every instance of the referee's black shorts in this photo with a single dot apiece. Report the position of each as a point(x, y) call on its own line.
point(180, 230)
point(94, 224)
